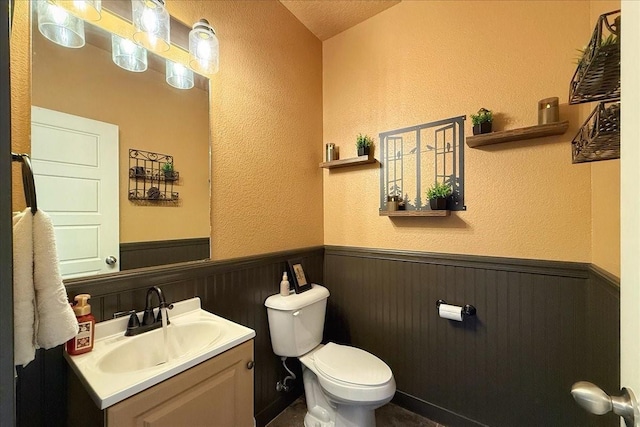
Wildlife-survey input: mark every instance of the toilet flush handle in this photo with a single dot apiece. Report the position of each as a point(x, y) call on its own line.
point(296, 313)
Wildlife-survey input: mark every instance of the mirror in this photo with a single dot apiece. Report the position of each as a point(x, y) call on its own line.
point(82, 103)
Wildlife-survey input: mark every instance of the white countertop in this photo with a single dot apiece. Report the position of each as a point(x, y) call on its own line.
point(109, 388)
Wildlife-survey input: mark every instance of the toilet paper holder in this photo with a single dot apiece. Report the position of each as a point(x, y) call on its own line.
point(467, 309)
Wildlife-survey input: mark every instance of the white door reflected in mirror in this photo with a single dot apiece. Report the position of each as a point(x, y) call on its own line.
point(75, 164)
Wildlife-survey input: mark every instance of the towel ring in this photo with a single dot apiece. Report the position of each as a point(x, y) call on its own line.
point(27, 180)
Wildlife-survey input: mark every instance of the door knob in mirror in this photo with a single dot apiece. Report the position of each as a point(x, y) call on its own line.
point(111, 260)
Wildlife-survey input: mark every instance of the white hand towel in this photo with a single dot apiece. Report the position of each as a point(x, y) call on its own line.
point(56, 321)
point(24, 297)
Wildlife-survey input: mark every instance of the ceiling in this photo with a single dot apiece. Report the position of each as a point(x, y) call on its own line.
point(326, 18)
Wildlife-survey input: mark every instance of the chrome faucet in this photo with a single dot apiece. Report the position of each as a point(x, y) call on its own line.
point(149, 320)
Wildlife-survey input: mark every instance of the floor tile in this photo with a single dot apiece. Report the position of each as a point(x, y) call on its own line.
point(390, 415)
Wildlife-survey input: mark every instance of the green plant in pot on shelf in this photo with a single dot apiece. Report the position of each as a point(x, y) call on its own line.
point(167, 168)
point(482, 121)
point(437, 195)
point(364, 144)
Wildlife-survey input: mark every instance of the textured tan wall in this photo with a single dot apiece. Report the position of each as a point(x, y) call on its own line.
point(266, 115)
point(151, 116)
point(605, 187)
point(422, 61)
point(20, 52)
point(266, 119)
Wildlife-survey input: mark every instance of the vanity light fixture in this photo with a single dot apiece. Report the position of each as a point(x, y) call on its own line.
point(128, 55)
point(204, 48)
point(89, 10)
point(151, 24)
point(179, 76)
point(60, 26)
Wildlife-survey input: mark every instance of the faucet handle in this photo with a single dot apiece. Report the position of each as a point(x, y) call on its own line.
point(122, 313)
point(168, 307)
point(147, 317)
point(134, 321)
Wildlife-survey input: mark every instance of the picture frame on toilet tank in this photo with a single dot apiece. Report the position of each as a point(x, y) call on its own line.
point(297, 276)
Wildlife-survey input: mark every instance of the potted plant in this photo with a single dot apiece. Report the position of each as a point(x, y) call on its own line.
point(437, 195)
point(167, 168)
point(364, 144)
point(482, 121)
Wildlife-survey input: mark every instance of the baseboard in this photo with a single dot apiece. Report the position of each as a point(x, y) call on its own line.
point(433, 412)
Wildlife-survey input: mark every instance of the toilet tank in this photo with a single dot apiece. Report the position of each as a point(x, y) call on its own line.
point(296, 321)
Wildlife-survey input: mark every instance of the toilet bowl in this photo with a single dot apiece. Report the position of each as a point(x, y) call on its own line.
point(343, 384)
point(352, 383)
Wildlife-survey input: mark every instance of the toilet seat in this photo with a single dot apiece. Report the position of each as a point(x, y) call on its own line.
point(332, 377)
point(351, 365)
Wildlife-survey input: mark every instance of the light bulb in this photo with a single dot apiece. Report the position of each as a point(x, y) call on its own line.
point(58, 14)
point(128, 46)
point(149, 21)
point(203, 51)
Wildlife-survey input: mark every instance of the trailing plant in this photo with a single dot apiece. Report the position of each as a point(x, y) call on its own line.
point(438, 190)
point(363, 141)
point(483, 116)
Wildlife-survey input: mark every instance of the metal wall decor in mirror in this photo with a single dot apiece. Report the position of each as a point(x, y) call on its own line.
point(151, 177)
point(87, 112)
point(416, 157)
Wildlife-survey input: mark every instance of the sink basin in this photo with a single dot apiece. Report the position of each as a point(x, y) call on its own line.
point(119, 366)
point(147, 350)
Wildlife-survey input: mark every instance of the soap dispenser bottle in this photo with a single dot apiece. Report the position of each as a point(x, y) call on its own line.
point(284, 285)
point(83, 341)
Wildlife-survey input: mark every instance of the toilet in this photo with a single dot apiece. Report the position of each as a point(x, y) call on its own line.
point(343, 385)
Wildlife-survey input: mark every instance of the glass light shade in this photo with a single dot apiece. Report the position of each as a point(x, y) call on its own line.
point(89, 10)
point(128, 55)
point(151, 24)
point(204, 48)
point(179, 76)
point(60, 26)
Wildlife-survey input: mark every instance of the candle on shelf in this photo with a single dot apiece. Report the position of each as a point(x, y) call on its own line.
point(548, 111)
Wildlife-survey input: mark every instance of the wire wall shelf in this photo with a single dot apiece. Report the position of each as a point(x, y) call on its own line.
point(151, 177)
point(597, 77)
point(599, 137)
point(416, 157)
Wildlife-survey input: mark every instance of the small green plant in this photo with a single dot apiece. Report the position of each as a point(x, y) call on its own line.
point(483, 116)
point(438, 190)
point(363, 141)
point(167, 167)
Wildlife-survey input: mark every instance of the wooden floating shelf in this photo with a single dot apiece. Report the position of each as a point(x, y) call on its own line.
point(442, 213)
point(343, 163)
point(537, 131)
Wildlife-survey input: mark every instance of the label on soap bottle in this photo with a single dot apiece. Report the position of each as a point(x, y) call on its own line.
point(84, 338)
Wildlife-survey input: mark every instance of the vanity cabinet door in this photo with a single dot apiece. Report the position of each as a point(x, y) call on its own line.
point(216, 393)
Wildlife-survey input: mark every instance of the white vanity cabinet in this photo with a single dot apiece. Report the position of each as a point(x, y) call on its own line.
point(217, 393)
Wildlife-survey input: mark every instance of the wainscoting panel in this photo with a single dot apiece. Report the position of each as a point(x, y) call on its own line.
point(540, 327)
point(512, 364)
point(162, 252)
point(235, 289)
point(603, 336)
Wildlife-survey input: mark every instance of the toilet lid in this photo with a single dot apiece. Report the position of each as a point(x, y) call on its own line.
point(351, 365)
